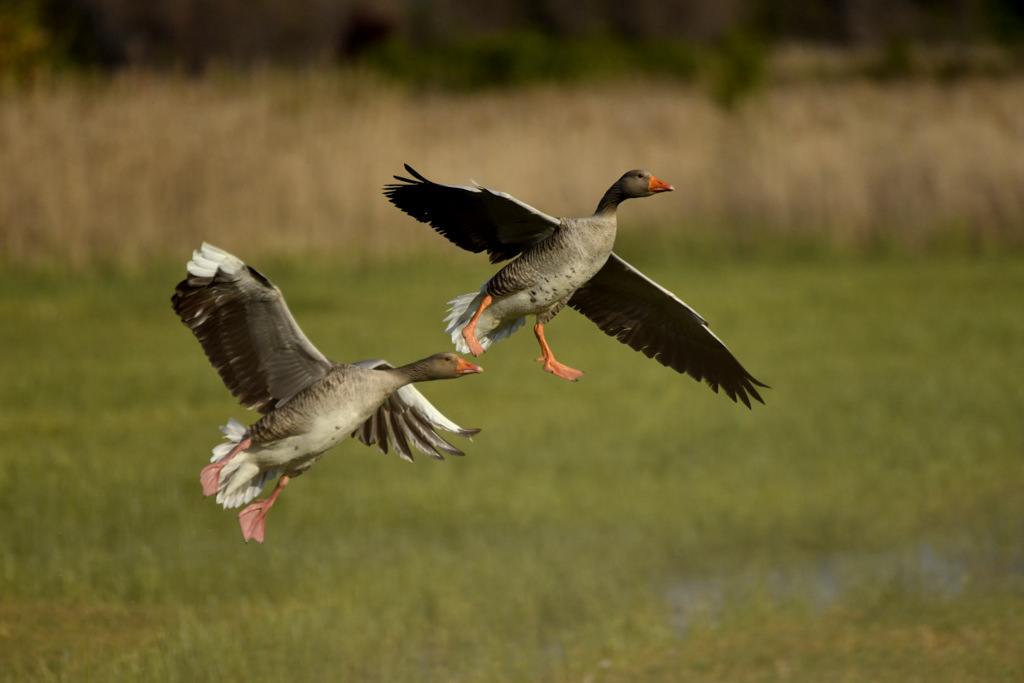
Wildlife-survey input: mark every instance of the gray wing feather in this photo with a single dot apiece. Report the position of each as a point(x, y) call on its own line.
point(405, 418)
point(244, 326)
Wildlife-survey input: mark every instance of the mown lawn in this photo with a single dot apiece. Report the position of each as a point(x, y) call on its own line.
point(866, 524)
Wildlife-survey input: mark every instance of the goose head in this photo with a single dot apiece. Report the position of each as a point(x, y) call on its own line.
point(641, 183)
point(446, 366)
point(635, 183)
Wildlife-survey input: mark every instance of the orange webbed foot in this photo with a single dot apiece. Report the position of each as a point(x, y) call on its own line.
point(471, 342)
point(559, 370)
point(469, 331)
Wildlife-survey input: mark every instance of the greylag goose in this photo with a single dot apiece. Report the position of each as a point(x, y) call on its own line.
point(309, 403)
point(566, 261)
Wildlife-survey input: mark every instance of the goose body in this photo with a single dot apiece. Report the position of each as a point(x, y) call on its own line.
point(310, 403)
point(535, 283)
point(566, 261)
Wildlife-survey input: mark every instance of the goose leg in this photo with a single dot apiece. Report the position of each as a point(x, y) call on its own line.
point(254, 518)
point(469, 331)
point(209, 476)
point(550, 364)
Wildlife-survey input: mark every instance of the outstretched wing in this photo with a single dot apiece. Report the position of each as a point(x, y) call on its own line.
point(474, 218)
point(405, 418)
point(246, 330)
point(640, 313)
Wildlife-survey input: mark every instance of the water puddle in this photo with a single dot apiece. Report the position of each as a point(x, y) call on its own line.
point(933, 570)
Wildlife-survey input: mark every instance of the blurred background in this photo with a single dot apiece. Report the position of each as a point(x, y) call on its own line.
point(848, 215)
point(191, 34)
point(854, 125)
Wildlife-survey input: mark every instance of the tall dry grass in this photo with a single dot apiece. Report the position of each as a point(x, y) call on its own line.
point(143, 165)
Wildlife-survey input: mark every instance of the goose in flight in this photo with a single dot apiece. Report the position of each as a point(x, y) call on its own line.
point(566, 261)
point(309, 403)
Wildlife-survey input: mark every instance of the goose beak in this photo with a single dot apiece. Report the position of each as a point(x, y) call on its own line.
point(467, 368)
point(659, 186)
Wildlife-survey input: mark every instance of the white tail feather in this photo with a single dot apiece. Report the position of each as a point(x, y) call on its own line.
point(241, 480)
point(489, 330)
point(234, 431)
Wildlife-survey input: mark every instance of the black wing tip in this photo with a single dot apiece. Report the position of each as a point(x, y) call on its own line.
point(746, 391)
point(392, 190)
point(749, 387)
point(741, 391)
point(746, 401)
point(419, 179)
point(758, 383)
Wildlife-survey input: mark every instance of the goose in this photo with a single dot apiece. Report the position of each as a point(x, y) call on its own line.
point(566, 261)
point(309, 403)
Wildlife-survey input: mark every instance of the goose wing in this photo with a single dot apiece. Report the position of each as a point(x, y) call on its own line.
point(474, 218)
point(246, 330)
point(640, 313)
point(408, 418)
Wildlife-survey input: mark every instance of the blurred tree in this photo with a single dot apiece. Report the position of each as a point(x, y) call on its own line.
point(1006, 20)
point(28, 44)
point(190, 34)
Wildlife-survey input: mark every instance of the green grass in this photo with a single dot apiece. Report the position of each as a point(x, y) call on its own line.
point(633, 526)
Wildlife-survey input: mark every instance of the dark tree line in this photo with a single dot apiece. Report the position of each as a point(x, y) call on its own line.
point(191, 34)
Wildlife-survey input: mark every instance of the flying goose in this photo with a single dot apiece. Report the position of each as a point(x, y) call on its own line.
point(309, 403)
point(561, 261)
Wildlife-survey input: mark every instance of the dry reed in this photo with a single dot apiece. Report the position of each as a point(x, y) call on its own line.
point(142, 166)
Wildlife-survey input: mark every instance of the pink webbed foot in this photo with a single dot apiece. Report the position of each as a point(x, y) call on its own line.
point(209, 476)
point(253, 519)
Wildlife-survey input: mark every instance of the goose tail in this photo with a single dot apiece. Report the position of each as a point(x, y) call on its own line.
point(489, 329)
point(239, 480)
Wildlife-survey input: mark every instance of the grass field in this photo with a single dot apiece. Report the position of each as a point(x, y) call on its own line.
point(865, 525)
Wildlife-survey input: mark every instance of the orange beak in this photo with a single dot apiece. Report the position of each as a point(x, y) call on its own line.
point(659, 186)
point(467, 368)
